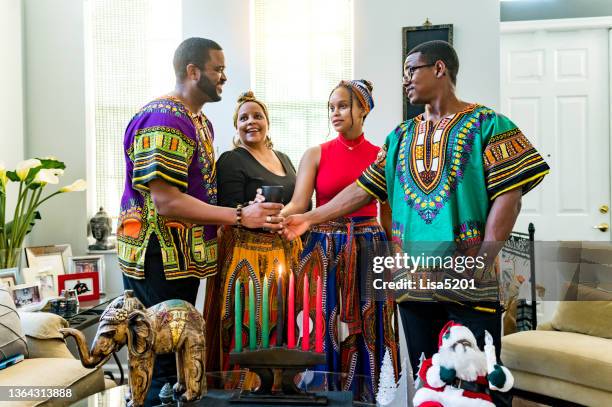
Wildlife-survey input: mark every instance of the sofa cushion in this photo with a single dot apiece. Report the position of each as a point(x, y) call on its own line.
point(572, 357)
point(43, 336)
point(596, 253)
point(42, 325)
point(64, 373)
point(12, 340)
point(48, 348)
point(560, 389)
point(586, 317)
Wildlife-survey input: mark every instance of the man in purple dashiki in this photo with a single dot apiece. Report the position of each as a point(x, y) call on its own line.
point(168, 220)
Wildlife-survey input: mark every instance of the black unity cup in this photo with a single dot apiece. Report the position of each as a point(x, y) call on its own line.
point(273, 193)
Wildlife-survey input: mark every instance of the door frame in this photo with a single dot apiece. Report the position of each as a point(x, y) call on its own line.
point(571, 24)
point(568, 24)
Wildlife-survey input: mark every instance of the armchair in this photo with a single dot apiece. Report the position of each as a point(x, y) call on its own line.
point(50, 363)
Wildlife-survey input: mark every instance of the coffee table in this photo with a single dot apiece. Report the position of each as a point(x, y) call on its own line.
point(217, 397)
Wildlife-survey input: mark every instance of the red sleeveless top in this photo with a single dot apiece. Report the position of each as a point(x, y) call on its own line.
point(342, 162)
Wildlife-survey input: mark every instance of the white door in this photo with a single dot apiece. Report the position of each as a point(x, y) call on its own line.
point(555, 87)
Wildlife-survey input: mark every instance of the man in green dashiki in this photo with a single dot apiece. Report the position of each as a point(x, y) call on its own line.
point(455, 173)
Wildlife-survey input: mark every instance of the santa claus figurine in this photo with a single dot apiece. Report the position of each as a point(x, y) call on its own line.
point(460, 374)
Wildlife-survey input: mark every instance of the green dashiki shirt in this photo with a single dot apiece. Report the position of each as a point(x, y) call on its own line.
point(164, 140)
point(441, 180)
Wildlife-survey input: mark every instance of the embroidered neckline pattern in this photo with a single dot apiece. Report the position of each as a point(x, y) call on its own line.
point(206, 157)
point(432, 163)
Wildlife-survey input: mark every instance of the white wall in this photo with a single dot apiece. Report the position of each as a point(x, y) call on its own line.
point(378, 51)
point(227, 23)
point(11, 86)
point(55, 111)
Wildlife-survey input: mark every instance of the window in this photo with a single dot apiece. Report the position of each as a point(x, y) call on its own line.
point(130, 47)
point(301, 50)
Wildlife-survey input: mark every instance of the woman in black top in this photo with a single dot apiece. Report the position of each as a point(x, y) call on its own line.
point(241, 171)
point(246, 254)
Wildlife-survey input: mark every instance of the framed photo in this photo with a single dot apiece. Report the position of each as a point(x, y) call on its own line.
point(8, 278)
point(413, 36)
point(86, 285)
point(53, 257)
point(26, 295)
point(88, 264)
point(46, 282)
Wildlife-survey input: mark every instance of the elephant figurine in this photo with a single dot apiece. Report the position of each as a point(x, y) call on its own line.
point(170, 326)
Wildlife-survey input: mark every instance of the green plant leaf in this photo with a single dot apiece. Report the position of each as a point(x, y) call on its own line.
point(32, 174)
point(33, 222)
point(49, 163)
point(8, 228)
point(12, 175)
point(34, 186)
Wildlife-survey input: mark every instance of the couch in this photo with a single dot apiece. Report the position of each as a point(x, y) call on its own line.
point(49, 363)
point(568, 360)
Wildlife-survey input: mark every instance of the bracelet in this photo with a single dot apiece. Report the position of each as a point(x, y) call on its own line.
point(239, 216)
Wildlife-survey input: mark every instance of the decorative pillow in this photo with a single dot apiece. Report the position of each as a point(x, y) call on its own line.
point(12, 340)
point(42, 325)
point(592, 318)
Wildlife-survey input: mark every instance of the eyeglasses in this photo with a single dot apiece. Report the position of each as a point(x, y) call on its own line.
point(411, 70)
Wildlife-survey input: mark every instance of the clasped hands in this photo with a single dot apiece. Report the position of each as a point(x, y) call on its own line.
point(260, 214)
point(267, 215)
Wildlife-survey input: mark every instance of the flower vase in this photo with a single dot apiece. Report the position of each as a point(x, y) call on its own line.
point(10, 262)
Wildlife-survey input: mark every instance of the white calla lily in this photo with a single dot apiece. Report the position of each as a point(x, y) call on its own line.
point(24, 167)
point(29, 199)
point(76, 186)
point(48, 176)
point(3, 177)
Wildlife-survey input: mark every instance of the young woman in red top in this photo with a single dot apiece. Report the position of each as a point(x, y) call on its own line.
point(358, 329)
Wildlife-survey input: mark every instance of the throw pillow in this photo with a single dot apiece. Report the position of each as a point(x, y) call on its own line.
point(12, 340)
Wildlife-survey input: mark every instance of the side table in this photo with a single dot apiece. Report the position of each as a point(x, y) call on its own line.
point(89, 312)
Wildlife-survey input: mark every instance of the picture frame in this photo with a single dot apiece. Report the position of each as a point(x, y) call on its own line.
point(29, 274)
point(413, 36)
point(46, 282)
point(9, 278)
point(87, 285)
point(88, 264)
point(55, 257)
point(26, 296)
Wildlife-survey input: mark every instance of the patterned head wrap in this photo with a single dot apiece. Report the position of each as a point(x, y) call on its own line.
point(363, 90)
point(249, 97)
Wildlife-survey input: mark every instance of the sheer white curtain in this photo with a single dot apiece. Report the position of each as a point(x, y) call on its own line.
point(130, 45)
point(300, 50)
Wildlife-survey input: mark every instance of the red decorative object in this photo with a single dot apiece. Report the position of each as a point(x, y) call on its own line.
point(306, 316)
point(291, 313)
point(87, 285)
point(319, 317)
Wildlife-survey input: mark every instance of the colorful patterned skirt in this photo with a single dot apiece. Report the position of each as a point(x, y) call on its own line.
point(244, 255)
point(359, 329)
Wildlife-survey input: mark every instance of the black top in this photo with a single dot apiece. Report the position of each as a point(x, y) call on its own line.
point(239, 175)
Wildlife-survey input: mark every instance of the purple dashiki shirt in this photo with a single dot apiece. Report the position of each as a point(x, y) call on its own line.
point(166, 141)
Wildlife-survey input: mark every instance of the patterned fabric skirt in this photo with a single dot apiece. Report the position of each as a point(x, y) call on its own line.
point(244, 255)
point(358, 328)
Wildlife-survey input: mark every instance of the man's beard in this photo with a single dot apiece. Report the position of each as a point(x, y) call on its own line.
point(208, 88)
point(469, 363)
